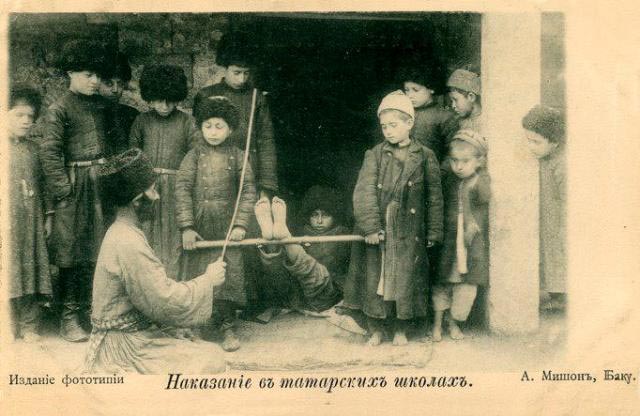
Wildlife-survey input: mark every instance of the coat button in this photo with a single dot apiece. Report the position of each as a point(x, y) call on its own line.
point(412, 210)
point(409, 184)
point(231, 157)
point(228, 167)
point(379, 186)
point(417, 238)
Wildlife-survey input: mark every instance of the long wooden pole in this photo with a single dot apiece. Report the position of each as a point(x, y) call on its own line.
point(291, 240)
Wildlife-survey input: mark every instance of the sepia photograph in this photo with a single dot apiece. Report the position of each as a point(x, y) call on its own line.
point(339, 200)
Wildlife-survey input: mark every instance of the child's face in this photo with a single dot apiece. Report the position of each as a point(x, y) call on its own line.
point(394, 128)
point(462, 103)
point(215, 130)
point(20, 119)
point(84, 82)
point(464, 161)
point(237, 76)
point(321, 220)
point(162, 107)
point(111, 88)
point(418, 94)
point(539, 145)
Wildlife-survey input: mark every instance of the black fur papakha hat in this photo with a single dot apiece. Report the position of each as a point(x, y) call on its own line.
point(163, 82)
point(122, 69)
point(125, 176)
point(21, 93)
point(236, 48)
point(324, 198)
point(219, 107)
point(424, 75)
point(546, 121)
point(86, 55)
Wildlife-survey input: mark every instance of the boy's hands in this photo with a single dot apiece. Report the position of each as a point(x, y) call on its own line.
point(237, 234)
point(374, 238)
point(189, 238)
point(218, 270)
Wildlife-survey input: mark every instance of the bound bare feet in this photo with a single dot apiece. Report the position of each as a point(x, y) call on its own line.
point(279, 211)
point(262, 210)
point(400, 338)
point(376, 339)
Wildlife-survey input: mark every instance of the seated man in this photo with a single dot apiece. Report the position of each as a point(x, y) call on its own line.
point(306, 278)
point(132, 294)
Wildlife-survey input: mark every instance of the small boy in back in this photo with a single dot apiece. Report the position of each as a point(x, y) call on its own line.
point(421, 86)
point(309, 277)
point(397, 206)
point(465, 94)
point(545, 132)
point(30, 282)
point(464, 261)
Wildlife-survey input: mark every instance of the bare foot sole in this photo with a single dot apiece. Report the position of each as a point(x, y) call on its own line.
point(455, 332)
point(436, 334)
point(262, 210)
point(279, 211)
point(400, 339)
point(375, 340)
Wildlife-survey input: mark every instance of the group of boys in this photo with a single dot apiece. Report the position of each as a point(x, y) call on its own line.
point(425, 186)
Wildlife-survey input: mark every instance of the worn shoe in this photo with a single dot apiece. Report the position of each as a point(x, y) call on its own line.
point(229, 341)
point(70, 328)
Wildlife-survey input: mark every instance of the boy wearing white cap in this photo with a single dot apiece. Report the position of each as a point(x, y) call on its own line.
point(464, 261)
point(398, 206)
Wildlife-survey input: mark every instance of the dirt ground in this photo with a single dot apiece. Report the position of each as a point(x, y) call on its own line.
point(295, 342)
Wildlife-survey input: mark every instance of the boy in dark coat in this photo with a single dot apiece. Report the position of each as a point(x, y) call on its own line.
point(75, 141)
point(112, 88)
point(165, 134)
point(309, 277)
point(30, 282)
point(235, 55)
point(207, 186)
point(465, 92)
point(421, 85)
point(397, 205)
point(464, 261)
point(545, 132)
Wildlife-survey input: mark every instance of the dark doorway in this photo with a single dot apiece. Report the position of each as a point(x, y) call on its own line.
point(325, 75)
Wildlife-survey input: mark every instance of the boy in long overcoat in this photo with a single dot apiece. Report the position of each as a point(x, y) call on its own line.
point(398, 208)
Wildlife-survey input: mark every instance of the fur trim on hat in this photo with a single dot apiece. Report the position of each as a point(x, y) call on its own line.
point(236, 48)
point(324, 198)
point(85, 55)
point(219, 107)
point(546, 121)
point(126, 176)
point(163, 82)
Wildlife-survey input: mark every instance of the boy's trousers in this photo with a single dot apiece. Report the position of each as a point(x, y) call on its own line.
point(457, 297)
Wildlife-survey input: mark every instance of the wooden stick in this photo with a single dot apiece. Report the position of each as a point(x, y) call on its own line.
point(291, 240)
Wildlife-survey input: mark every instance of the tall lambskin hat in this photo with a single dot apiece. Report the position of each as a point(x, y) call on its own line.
point(163, 82)
point(546, 121)
point(219, 107)
point(465, 80)
point(126, 176)
point(86, 55)
point(397, 100)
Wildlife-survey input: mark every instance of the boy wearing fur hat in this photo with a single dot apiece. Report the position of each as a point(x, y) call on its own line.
point(133, 295)
point(464, 262)
point(421, 85)
point(309, 277)
point(465, 93)
point(206, 191)
point(75, 141)
point(397, 205)
point(112, 88)
point(29, 281)
point(165, 134)
point(235, 54)
point(545, 133)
